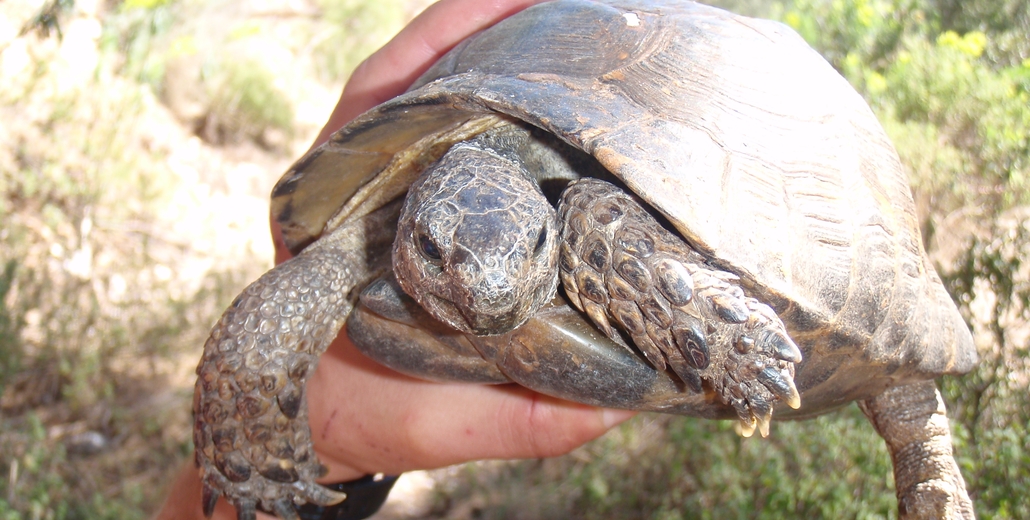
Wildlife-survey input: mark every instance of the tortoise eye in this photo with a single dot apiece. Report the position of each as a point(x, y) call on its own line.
point(540, 241)
point(428, 248)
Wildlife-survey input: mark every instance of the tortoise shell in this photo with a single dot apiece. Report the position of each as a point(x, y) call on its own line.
point(750, 144)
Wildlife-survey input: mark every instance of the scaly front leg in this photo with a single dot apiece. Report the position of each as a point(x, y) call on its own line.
point(251, 433)
point(619, 265)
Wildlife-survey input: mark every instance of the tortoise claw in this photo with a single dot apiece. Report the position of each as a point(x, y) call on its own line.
point(761, 413)
point(316, 494)
point(763, 423)
point(209, 499)
point(781, 386)
point(299, 491)
point(757, 371)
point(782, 346)
point(746, 428)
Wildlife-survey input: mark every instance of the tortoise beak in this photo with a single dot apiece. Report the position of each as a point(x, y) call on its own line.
point(496, 307)
point(482, 324)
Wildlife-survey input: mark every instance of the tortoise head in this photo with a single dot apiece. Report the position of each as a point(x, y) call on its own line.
point(477, 242)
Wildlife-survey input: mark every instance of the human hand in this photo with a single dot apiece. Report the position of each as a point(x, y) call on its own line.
point(367, 419)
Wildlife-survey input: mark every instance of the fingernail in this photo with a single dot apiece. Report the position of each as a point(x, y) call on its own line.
point(611, 417)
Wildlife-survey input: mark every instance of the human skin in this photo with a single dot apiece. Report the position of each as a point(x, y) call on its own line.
point(368, 419)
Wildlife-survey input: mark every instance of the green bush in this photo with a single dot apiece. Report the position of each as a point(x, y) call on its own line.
point(961, 121)
point(662, 467)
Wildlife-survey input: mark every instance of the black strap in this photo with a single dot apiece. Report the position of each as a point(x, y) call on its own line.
point(364, 497)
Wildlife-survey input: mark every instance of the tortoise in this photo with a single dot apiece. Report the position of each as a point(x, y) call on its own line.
point(734, 224)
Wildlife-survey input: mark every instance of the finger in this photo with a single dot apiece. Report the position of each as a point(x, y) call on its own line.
point(390, 70)
point(415, 424)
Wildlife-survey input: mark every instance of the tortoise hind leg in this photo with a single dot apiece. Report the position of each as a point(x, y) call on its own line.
point(912, 420)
